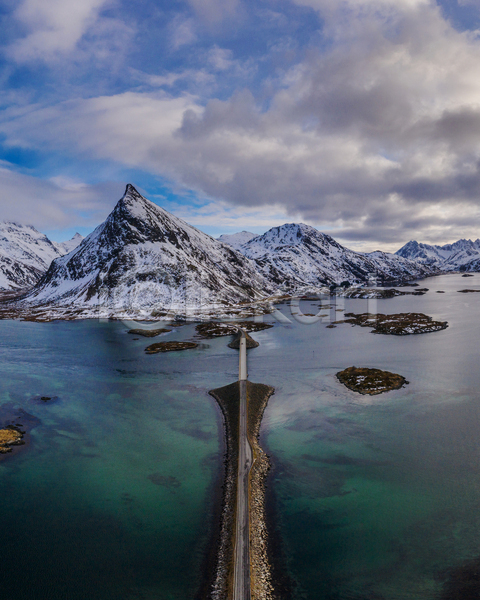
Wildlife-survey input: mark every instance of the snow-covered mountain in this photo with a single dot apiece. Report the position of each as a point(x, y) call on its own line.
point(142, 260)
point(294, 255)
point(463, 255)
point(235, 240)
point(25, 255)
point(69, 245)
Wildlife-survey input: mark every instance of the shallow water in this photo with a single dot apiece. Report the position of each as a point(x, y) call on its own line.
point(376, 496)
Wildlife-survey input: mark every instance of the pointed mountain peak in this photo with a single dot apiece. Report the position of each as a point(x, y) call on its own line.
point(133, 204)
point(131, 193)
point(132, 197)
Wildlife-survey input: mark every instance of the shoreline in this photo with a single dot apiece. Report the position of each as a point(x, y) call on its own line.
point(221, 580)
point(284, 583)
point(262, 583)
point(214, 504)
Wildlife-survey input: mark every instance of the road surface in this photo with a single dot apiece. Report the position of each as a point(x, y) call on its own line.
point(241, 572)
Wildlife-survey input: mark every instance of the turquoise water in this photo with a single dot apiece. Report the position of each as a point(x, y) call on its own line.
point(113, 497)
point(377, 497)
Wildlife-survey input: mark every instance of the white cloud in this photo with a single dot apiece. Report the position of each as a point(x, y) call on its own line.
point(213, 11)
point(372, 137)
point(53, 27)
point(126, 127)
point(361, 6)
point(55, 203)
point(223, 217)
point(182, 32)
point(220, 58)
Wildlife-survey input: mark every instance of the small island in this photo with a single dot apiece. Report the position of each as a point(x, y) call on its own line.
point(397, 324)
point(215, 329)
point(148, 332)
point(169, 347)
point(10, 436)
point(370, 381)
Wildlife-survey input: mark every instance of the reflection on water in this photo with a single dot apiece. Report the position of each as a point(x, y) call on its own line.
point(377, 497)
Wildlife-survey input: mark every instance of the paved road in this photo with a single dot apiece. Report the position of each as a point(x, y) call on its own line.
point(241, 573)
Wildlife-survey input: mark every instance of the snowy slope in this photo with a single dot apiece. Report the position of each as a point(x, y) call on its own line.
point(69, 245)
point(235, 240)
point(25, 254)
point(143, 259)
point(294, 255)
point(463, 255)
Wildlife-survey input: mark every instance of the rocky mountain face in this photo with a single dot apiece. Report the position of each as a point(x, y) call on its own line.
point(235, 240)
point(143, 260)
point(295, 255)
point(463, 255)
point(26, 254)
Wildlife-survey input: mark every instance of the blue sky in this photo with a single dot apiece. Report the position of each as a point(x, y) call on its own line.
point(360, 117)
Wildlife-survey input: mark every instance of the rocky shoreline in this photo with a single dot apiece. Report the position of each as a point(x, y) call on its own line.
point(228, 399)
point(262, 585)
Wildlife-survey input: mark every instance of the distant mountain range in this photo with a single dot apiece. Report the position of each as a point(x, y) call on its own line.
point(143, 261)
point(235, 240)
point(296, 255)
point(463, 255)
point(25, 254)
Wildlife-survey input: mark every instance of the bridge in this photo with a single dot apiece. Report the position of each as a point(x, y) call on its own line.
point(241, 572)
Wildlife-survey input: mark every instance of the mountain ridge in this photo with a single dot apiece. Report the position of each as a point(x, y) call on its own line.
point(462, 255)
point(236, 239)
point(295, 254)
point(144, 262)
point(25, 254)
point(142, 259)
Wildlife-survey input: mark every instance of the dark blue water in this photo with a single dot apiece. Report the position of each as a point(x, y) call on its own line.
point(377, 497)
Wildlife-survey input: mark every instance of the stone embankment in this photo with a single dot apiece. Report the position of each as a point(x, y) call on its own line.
point(228, 398)
point(251, 343)
point(262, 586)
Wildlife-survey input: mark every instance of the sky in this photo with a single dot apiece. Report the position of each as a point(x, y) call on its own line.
point(359, 117)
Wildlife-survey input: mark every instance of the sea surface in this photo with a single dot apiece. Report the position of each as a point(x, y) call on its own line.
point(376, 497)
